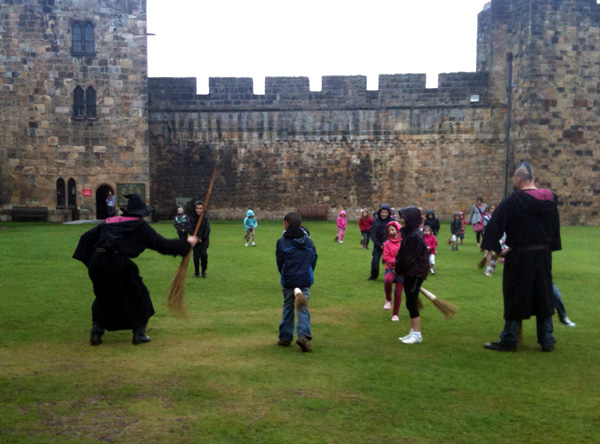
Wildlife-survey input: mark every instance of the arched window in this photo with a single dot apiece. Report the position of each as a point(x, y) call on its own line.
point(72, 193)
point(89, 39)
point(78, 102)
point(82, 36)
point(60, 193)
point(77, 38)
point(90, 103)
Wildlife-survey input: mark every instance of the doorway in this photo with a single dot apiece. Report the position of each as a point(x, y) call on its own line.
point(101, 195)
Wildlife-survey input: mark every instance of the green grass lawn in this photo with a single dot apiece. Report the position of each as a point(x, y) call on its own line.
point(219, 377)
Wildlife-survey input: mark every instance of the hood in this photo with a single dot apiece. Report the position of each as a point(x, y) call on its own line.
point(249, 213)
point(412, 218)
point(394, 223)
point(428, 212)
point(114, 232)
point(298, 236)
point(342, 213)
point(541, 202)
point(384, 207)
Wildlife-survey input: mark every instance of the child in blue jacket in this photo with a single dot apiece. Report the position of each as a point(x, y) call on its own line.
point(296, 260)
point(250, 223)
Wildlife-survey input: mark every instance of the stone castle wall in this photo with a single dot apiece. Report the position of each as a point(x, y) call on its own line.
point(41, 141)
point(344, 147)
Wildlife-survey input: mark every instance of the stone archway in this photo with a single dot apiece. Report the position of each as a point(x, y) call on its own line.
point(101, 208)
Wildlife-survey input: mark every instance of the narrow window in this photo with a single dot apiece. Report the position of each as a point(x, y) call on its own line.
point(89, 39)
point(60, 193)
point(77, 36)
point(90, 103)
point(72, 190)
point(78, 103)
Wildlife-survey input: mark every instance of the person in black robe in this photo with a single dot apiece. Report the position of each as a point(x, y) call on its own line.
point(122, 300)
point(530, 219)
point(201, 248)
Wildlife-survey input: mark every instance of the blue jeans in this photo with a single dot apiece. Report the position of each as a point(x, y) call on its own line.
point(544, 331)
point(286, 326)
point(558, 302)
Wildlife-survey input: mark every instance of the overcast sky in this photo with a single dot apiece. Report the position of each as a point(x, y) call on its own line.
point(312, 38)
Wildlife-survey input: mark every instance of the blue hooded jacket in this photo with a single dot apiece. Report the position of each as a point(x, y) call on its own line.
point(296, 258)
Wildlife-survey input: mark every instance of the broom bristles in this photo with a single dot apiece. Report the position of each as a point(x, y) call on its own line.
point(299, 299)
point(420, 305)
point(482, 262)
point(176, 300)
point(447, 309)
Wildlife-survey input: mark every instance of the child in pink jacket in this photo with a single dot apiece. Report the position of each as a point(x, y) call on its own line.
point(341, 225)
point(390, 249)
point(431, 242)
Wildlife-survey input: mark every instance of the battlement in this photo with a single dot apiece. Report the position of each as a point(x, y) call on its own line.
point(397, 90)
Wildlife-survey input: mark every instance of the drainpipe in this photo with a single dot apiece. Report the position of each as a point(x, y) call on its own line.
point(509, 86)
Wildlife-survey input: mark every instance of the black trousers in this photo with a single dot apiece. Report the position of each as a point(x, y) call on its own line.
point(200, 257)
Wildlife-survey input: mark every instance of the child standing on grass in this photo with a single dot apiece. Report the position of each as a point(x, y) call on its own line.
point(411, 264)
point(296, 260)
point(365, 223)
point(181, 223)
point(342, 223)
point(431, 242)
point(390, 249)
point(455, 228)
point(250, 224)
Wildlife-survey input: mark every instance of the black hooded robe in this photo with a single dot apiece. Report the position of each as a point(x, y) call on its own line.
point(531, 222)
point(122, 300)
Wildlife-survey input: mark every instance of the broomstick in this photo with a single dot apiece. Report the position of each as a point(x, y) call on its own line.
point(447, 309)
point(176, 300)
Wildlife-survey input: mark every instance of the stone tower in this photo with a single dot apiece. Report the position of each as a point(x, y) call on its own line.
point(73, 104)
point(555, 50)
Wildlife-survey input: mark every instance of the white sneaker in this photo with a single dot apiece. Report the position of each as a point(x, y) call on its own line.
point(432, 271)
point(387, 305)
point(340, 242)
point(567, 322)
point(412, 339)
point(407, 336)
point(488, 272)
point(253, 244)
point(395, 318)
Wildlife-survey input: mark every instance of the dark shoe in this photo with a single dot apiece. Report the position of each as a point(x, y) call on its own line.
point(284, 343)
point(139, 336)
point(96, 338)
point(196, 275)
point(548, 348)
point(204, 274)
point(500, 346)
point(140, 339)
point(303, 343)
point(371, 278)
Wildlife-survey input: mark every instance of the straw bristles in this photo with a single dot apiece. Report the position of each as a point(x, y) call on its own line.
point(299, 299)
point(482, 262)
point(176, 294)
point(420, 305)
point(447, 309)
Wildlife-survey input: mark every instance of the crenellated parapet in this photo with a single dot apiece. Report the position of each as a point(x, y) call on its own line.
point(398, 90)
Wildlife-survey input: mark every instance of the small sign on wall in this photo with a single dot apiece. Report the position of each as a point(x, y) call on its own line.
point(126, 188)
point(86, 193)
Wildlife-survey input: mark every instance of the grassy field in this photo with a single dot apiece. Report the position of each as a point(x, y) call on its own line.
point(219, 377)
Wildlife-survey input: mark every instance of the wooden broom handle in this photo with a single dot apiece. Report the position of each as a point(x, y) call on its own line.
point(210, 187)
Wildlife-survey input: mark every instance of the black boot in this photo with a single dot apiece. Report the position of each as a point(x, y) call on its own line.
point(96, 334)
point(139, 336)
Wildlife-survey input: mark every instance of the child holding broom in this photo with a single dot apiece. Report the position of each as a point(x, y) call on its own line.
point(411, 264)
point(296, 260)
point(390, 249)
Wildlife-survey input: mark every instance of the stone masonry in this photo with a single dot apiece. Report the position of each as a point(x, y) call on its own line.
point(344, 147)
point(42, 140)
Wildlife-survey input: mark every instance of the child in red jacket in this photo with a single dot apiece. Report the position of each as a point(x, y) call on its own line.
point(365, 222)
point(431, 243)
point(390, 249)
